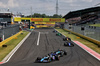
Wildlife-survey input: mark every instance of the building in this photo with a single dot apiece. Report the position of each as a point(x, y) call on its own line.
point(83, 16)
point(5, 18)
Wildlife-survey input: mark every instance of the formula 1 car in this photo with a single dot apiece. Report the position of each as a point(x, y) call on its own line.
point(51, 57)
point(54, 31)
point(61, 52)
point(58, 34)
point(48, 59)
point(41, 60)
point(68, 44)
point(67, 39)
point(54, 56)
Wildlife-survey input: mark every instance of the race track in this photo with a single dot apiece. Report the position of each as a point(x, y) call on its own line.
point(49, 42)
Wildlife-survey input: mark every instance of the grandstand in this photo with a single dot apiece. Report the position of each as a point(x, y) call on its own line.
point(89, 15)
point(89, 19)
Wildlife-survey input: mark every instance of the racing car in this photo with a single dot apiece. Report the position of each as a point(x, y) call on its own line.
point(54, 56)
point(51, 57)
point(61, 52)
point(67, 39)
point(58, 34)
point(68, 44)
point(41, 60)
point(54, 31)
point(48, 59)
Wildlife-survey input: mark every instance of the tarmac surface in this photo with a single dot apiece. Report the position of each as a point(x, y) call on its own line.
point(49, 42)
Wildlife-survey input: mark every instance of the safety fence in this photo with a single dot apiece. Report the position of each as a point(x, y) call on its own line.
point(89, 31)
point(8, 31)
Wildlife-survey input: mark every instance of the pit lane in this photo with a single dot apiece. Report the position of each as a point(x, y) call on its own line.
point(49, 42)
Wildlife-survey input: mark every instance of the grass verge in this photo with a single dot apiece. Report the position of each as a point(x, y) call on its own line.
point(77, 38)
point(11, 45)
point(97, 25)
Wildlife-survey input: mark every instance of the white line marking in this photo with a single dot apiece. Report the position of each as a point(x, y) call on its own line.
point(44, 32)
point(8, 57)
point(38, 39)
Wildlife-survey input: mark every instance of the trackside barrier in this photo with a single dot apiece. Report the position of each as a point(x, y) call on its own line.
point(85, 37)
point(10, 38)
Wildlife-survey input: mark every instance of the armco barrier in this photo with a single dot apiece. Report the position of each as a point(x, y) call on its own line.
point(10, 38)
point(85, 37)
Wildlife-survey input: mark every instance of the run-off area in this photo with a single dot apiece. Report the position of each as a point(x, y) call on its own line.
point(49, 42)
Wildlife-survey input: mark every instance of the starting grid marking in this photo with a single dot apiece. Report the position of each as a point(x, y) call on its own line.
point(44, 32)
point(38, 39)
point(39, 36)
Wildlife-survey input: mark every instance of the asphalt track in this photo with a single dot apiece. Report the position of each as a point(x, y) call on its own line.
point(49, 42)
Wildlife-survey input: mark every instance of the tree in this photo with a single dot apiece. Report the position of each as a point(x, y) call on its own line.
point(37, 15)
point(56, 16)
point(43, 16)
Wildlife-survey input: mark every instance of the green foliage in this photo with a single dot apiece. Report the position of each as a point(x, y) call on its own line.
point(11, 45)
point(37, 15)
point(97, 25)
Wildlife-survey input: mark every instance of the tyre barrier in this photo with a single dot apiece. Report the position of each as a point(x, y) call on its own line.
point(4, 45)
point(85, 37)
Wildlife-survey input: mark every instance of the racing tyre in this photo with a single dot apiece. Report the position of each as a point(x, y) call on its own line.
point(65, 53)
point(57, 57)
point(49, 61)
point(64, 44)
point(63, 39)
point(38, 58)
point(72, 45)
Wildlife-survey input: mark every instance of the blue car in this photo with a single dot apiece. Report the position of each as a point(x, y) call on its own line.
point(44, 59)
point(68, 44)
point(51, 57)
point(54, 56)
point(54, 31)
point(61, 52)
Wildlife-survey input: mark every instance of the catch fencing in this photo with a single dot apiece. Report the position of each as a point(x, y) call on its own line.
point(89, 31)
point(8, 31)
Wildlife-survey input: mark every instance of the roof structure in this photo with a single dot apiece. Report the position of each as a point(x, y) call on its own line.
point(5, 13)
point(81, 12)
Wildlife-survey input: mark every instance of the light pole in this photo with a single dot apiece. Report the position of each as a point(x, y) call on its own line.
point(57, 7)
point(31, 11)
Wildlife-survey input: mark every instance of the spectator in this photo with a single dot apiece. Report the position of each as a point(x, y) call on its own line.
point(0, 39)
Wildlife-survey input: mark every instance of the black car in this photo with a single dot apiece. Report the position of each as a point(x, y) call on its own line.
point(43, 60)
point(53, 56)
point(68, 44)
point(67, 39)
point(61, 52)
point(54, 31)
point(58, 34)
